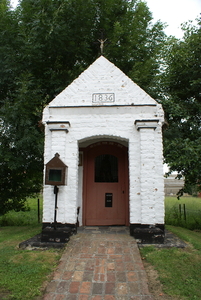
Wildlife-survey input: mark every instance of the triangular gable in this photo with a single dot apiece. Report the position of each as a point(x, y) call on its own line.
point(102, 83)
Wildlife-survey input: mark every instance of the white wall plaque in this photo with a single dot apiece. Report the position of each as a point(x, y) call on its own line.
point(103, 98)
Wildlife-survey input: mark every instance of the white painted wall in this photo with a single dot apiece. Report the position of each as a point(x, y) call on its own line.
point(112, 120)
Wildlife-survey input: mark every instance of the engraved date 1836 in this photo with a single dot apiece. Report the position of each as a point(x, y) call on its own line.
point(103, 98)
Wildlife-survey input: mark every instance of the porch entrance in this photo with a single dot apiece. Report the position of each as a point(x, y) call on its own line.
point(105, 184)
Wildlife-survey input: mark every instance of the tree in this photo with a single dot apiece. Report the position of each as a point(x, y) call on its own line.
point(21, 148)
point(182, 103)
point(61, 39)
point(21, 140)
point(45, 44)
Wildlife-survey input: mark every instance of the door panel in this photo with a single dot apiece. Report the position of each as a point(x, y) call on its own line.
point(106, 176)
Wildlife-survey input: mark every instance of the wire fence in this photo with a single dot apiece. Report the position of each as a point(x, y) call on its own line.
point(182, 215)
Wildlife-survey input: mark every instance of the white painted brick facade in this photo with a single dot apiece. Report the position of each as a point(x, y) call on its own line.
point(119, 120)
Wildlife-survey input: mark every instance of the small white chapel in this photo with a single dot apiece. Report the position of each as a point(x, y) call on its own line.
point(103, 158)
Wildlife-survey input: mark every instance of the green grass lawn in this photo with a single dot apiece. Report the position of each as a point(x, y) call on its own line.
point(179, 270)
point(23, 272)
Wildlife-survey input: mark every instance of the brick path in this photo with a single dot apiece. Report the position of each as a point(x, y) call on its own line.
point(100, 265)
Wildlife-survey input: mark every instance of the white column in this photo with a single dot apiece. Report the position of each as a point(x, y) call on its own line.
point(55, 143)
point(147, 176)
point(147, 169)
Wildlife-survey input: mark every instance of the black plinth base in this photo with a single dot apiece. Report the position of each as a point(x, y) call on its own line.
point(59, 235)
point(148, 234)
point(36, 243)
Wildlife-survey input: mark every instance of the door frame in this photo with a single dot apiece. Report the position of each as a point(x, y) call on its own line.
point(85, 172)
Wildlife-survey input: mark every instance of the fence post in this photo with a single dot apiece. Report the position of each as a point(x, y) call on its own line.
point(184, 207)
point(180, 211)
point(38, 210)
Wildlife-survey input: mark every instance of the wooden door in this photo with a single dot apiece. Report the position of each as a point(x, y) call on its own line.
point(106, 184)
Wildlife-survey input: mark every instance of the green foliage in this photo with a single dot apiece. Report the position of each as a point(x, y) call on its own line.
point(179, 269)
point(21, 148)
point(20, 137)
point(63, 39)
point(44, 45)
point(182, 103)
point(188, 217)
point(23, 218)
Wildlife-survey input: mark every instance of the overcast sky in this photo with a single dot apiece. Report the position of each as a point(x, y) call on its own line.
point(173, 12)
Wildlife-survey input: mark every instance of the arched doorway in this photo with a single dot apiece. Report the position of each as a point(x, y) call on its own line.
point(105, 184)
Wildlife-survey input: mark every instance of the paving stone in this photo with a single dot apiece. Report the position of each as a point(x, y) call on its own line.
point(67, 275)
point(78, 275)
point(90, 265)
point(83, 297)
point(71, 297)
point(122, 288)
point(51, 287)
point(110, 288)
point(87, 276)
point(80, 265)
point(121, 276)
point(132, 276)
point(109, 297)
point(74, 287)
point(49, 296)
point(127, 258)
point(119, 266)
point(102, 277)
point(115, 256)
point(126, 250)
point(61, 266)
point(119, 297)
point(85, 249)
point(111, 266)
point(62, 287)
point(111, 250)
point(142, 275)
point(96, 298)
point(96, 277)
point(118, 250)
point(111, 277)
point(58, 274)
point(85, 287)
point(70, 266)
point(85, 255)
point(61, 297)
point(102, 250)
point(129, 266)
point(134, 288)
point(97, 288)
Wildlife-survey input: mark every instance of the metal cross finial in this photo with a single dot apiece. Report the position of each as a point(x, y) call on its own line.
point(101, 41)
